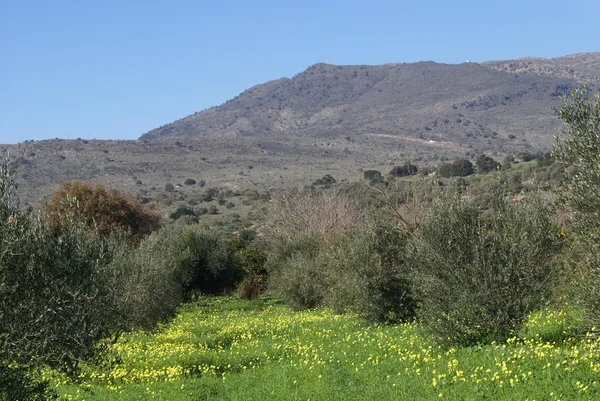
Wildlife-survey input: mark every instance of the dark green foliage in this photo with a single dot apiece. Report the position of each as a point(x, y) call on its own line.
point(372, 175)
point(485, 164)
point(578, 150)
point(182, 210)
point(167, 268)
point(247, 236)
point(253, 261)
point(190, 181)
point(325, 182)
point(361, 269)
point(458, 168)
point(18, 383)
point(297, 274)
point(545, 160)
point(404, 171)
point(527, 156)
point(367, 273)
point(478, 276)
point(54, 296)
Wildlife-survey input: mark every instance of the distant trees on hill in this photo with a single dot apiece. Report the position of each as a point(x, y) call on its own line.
point(405, 170)
point(458, 168)
point(485, 164)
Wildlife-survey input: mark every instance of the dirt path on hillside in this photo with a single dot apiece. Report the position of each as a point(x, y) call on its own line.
point(442, 144)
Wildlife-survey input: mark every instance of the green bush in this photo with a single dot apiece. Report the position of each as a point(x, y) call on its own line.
point(167, 268)
point(404, 171)
point(479, 276)
point(296, 272)
point(458, 168)
point(367, 273)
point(181, 211)
point(55, 299)
point(577, 149)
point(485, 164)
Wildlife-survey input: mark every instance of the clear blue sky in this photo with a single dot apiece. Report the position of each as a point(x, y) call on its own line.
point(116, 69)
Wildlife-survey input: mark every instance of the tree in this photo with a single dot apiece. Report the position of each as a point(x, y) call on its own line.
point(107, 209)
point(485, 164)
point(325, 182)
point(578, 149)
point(458, 168)
point(405, 170)
point(54, 294)
point(372, 176)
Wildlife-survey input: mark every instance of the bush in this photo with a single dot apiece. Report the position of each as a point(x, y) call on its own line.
point(458, 168)
point(478, 277)
point(577, 149)
point(169, 267)
point(297, 272)
point(292, 215)
point(485, 164)
point(190, 181)
point(107, 210)
point(367, 274)
point(361, 270)
point(181, 211)
point(405, 170)
point(55, 299)
point(372, 176)
point(325, 182)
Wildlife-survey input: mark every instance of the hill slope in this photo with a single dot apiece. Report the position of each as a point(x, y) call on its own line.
point(484, 106)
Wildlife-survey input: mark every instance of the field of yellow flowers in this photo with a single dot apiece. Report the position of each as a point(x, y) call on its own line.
point(226, 349)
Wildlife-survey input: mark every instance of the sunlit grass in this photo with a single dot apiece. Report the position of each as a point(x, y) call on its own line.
point(224, 349)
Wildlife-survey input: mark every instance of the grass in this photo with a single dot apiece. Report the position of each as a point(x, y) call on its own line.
point(226, 349)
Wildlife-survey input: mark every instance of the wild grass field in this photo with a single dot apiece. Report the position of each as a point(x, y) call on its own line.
point(221, 348)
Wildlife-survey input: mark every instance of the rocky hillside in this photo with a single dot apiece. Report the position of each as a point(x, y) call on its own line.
point(495, 106)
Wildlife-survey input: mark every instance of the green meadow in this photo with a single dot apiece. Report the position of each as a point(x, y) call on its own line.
point(222, 348)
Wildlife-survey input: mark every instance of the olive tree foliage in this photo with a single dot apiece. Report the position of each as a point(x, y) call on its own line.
point(478, 275)
point(54, 298)
point(577, 147)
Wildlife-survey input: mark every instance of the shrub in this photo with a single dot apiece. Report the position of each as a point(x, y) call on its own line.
point(292, 215)
point(478, 277)
point(372, 175)
point(297, 272)
point(458, 168)
point(485, 164)
point(578, 150)
point(190, 181)
point(181, 211)
point(325, 182)
point(367, 274)
point(54, 296)
point(107, 210)
point(405, 170)
point(168, 267)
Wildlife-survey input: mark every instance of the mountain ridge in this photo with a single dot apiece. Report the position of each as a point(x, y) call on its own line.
point(463, 103)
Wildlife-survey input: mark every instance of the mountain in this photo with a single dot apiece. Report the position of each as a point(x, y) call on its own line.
point(336, 120)
point(502, 106)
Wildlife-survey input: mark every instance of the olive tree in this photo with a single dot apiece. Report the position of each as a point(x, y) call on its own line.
point(54, 300)
point(577, 147)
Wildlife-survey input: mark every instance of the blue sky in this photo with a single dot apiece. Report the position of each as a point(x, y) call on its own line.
point(117, 69)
